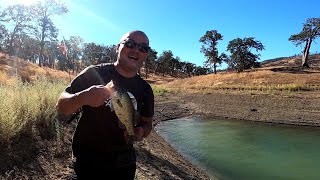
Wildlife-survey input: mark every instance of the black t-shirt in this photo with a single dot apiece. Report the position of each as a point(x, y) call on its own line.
point(98, 135)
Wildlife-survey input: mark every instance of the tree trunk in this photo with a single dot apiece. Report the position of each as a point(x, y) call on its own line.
point(42, 44)
point(215, 68)
point(11, 48)
point(305, 62)
point(41, 54)
point(146, 70)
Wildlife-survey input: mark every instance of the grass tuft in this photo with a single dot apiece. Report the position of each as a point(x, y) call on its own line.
point(159, 91)
point(29, 108)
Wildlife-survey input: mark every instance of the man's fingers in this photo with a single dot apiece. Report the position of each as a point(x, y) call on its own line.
point(139, 133)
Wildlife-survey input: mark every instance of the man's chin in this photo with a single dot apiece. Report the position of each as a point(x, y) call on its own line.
point(132, 68)
point(134, 65)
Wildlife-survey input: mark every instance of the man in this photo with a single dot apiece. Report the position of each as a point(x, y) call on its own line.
point(99, 144)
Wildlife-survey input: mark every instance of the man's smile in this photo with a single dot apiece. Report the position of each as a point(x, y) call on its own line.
point(133, 57)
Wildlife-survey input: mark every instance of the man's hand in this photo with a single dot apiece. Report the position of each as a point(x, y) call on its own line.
point(139, 133)
point(94, 96)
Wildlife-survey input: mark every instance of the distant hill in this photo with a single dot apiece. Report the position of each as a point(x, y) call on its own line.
point(293, 61)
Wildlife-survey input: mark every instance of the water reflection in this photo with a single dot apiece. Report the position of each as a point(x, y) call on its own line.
point(246, 150)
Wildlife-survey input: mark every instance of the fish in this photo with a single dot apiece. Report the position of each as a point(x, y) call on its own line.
point(124, 109)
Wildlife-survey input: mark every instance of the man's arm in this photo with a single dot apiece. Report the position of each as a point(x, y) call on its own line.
point(68, 103)
point(94, 96)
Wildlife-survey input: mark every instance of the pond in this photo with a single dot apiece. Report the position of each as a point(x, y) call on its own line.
point(230, 149)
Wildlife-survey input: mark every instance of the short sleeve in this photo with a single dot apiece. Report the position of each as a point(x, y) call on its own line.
point(147, 109)
point(86, 78)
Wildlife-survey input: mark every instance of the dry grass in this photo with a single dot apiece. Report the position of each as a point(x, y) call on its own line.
point(292, 79)
point(28, 95)
point(282, 75)
point(28, 105)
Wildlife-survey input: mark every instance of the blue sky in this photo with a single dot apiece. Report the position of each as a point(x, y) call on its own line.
point(178, 25)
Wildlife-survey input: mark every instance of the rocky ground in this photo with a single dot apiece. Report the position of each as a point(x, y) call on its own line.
point(156, 158)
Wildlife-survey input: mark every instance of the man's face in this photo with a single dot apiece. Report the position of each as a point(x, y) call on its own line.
point(132, 51)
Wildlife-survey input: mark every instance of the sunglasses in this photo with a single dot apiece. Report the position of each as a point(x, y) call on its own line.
point(129, 43)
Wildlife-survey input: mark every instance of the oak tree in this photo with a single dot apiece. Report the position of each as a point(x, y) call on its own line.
point(241, 57)
point(310, 31)
point(210, 50)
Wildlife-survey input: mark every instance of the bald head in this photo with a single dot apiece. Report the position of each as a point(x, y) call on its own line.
point(135, 33)
point(132, 52)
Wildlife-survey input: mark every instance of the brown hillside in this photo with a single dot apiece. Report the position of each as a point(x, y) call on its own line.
point(11, 66)
point(282, 74)
point(295, 61)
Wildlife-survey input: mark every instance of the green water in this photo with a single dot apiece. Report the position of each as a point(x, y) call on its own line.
point(242, 150)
